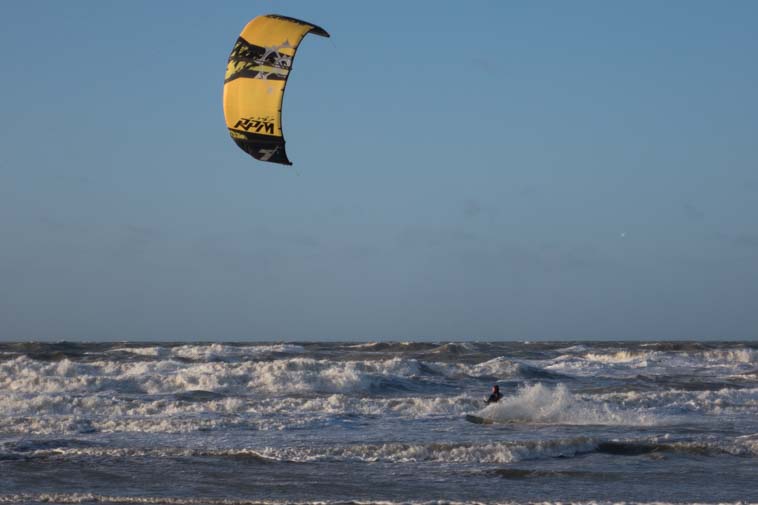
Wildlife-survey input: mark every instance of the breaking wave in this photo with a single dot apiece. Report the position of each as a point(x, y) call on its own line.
point(496, 452)
point(658, 360)
point(279, 376)
point(539, 403)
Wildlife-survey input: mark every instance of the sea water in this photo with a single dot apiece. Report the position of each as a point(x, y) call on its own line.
point(186, 423)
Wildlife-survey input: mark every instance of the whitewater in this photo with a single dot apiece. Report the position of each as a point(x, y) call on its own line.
point(382, 422)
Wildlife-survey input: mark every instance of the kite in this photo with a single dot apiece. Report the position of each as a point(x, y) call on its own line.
point(256, 75)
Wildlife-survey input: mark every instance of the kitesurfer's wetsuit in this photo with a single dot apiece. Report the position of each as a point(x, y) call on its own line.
point(495, 396)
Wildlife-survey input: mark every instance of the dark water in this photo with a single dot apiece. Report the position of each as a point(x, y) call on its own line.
point(341, 423)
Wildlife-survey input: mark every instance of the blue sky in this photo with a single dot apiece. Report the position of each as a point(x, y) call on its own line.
point(488, 170)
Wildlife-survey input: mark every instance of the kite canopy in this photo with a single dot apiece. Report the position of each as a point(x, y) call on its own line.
point(256, 75)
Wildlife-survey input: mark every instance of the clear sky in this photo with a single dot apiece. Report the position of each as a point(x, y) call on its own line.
point(478, 169)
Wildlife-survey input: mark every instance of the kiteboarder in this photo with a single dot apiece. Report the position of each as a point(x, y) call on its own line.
point(495, 396)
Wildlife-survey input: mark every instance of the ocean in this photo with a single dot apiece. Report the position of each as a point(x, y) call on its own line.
point(385, 422)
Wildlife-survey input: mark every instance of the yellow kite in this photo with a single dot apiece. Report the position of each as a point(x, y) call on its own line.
point(256, 75)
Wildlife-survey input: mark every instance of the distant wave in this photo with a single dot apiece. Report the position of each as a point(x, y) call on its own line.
point(662, 360)
point(210, 352)
point(84, 352)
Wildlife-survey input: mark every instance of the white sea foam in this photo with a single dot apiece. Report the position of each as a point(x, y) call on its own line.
point(48, 397)
point(544, 404)
point(170, 395)
point(624, 363)
point(63, 413)
point(218, 351)
point(499, 368)
point(211, 352)
point(714, 403)
point(305, 375)
point(731, 356)
point(152, 352)
point(495, 452)
point(616, 357)
point(291, 375)
point(167, 375)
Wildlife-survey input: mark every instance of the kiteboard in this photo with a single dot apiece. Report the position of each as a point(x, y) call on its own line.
point(478, 420)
